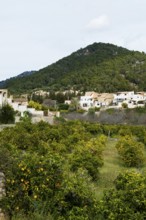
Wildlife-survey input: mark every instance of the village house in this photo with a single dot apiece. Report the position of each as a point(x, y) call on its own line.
point(3, 96)
point(130, 98)
point(93, 99)
point(101, 100)
point(87, 101)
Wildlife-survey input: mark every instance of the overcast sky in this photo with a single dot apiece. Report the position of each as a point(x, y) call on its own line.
point(36, 33)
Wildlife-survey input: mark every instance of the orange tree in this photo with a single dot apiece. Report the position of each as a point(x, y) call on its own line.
point(88, 155)
point(42, 165)
point(127, 200)
point(31, 180)
point(131, 151)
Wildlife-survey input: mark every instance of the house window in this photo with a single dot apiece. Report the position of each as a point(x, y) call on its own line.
point(84, 104)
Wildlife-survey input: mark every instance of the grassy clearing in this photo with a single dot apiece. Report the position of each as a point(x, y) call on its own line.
point(111, 168)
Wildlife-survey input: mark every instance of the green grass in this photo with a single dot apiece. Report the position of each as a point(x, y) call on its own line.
point(112, 167)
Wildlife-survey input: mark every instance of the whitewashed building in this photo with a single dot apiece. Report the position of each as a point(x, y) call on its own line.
point(130, 98)
point(87, 101)
point(93, 99)
point(3, 96)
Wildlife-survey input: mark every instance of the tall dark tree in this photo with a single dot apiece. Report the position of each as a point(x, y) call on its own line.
point(7, 114)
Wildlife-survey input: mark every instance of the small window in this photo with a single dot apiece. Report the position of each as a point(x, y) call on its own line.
point(84, 105)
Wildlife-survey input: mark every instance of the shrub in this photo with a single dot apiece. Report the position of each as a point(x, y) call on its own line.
point(131, 151)
point(91, 111)
point(81, 111)
point(7, 114)
point(63, 106)
point(110, 110)
point(124, 105)
point(127, 200)
point(97, 109)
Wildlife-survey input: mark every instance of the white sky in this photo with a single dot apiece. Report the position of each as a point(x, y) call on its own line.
point(36, 33)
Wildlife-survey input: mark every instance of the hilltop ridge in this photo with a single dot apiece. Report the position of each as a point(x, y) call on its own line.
point(101, 67)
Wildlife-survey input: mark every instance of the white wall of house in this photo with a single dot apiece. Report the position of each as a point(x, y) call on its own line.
point(3, 96)
point(130, 98)
point(138, 97)
point(67, 102)
point(22, 109)
point(123, 96)
point(35, 112)
point(15, 106)
point(86, 102)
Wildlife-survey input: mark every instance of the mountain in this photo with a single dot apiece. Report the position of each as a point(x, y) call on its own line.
point(3, 83)
point(100, 67)
point(26, 73)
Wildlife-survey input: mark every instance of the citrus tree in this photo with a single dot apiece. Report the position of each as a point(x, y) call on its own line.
point(130, 151)
point(127, 200)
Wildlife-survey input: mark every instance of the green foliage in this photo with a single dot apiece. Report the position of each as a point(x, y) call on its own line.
point(77, 201)
point(110, 110)
point(131, 151)
point(104, 67)
point(124, 105)
point(88, 155)
point(140, 109)
point(55, 171)
point(124, 131)
point(127, 200)
point(36, 98)
point(97, 109)
point(26, 117)
point(39, 163)
point(91, 111)
point(81, 111)
point(93, 128)
point(36, 105)
point(7, 114)
point(74, 106)
point(63, 106)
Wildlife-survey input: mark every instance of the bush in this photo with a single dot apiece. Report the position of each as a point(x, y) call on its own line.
point(7, 114)
point(97, 109)
point(124, 105)
point(91, 111)
point(81, 111)
point(63, 106)
point(140, 109)
point(131, 151)
point(110, 110)
point(127, 200)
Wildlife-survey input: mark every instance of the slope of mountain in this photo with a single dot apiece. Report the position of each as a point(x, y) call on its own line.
point(26, 73)
point(100, 67)
point(3, 83)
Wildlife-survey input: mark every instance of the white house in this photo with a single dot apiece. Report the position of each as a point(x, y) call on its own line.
point(87, 101)
point(103, 99)
point(123, 96)
point(130, 98)
point(93, 99)
point(3, 96)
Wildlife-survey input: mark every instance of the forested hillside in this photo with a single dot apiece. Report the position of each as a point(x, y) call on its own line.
point(100, 67)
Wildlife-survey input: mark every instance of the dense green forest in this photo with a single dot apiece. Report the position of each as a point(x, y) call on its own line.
point(74, 171)
point(100, 67)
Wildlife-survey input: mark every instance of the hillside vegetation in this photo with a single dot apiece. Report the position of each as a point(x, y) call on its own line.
point(100, 67)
